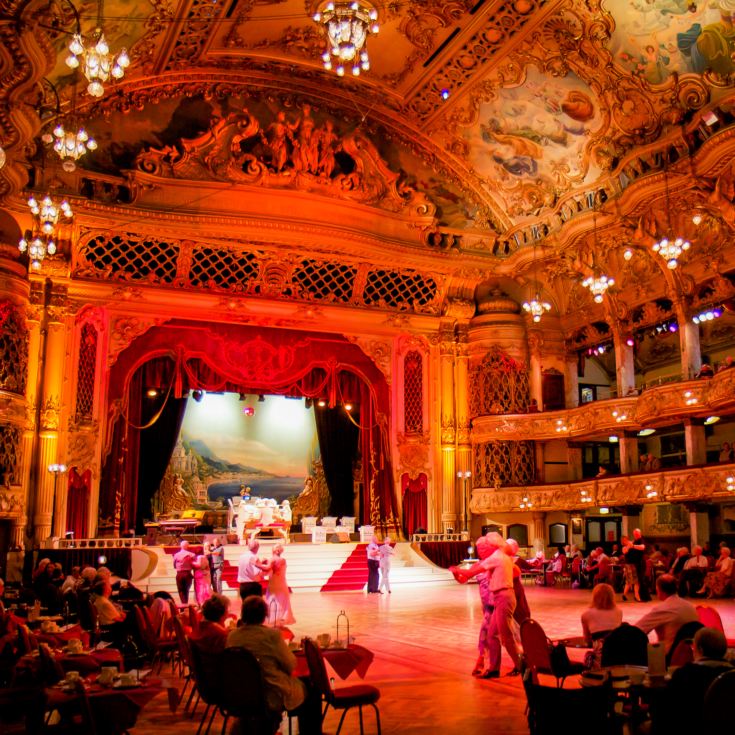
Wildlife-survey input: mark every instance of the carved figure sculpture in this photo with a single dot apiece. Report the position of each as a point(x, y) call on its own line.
point(328, 146)
point(279, 132)
point(306, 147)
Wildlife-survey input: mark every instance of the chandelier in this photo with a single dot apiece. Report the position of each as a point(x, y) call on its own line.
point(670, 248)
point(72, 145)
point(97, 63)
point(347, 26)
point(536, 308)
point(598, 285)
point(40, 241)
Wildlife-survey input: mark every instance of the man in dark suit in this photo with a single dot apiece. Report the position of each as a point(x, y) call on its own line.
point(681, 706)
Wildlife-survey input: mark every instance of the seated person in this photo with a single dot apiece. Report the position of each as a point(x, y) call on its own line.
point(109, 615)
point(692, 575)
point(680, 708)
point(717, 583)
point(669, 615)
point(705, 371)
point(212, 634)
point(283, 690)
point(598, 567)
point(602, 616)
point(679, 562)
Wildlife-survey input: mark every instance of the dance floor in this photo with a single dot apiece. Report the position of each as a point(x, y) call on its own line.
point(424, 640)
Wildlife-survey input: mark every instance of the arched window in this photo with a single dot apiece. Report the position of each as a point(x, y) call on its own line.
point(413, 393)
point(519, 532)
point(86, 373)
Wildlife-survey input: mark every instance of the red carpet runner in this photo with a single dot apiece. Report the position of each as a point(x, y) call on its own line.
point(353, 573)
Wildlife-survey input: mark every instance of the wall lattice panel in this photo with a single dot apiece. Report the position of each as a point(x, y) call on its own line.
point(504, 463)
point(86, 373)
point(13, 350)
point(413, 393)
point(256, 272)
point(10, 455)
point(499, 384)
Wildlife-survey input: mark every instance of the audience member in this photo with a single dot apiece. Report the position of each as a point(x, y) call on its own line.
point(670, 614)
point(599, 569)
point(212, 634)
point(705, 371)
point(726, 364)
point(681, 707)
point(726, 453)
point(717, 583)
point(693, 573)
point(598, 620)
point(72, 581)
point(680, 560)
point(184, 565)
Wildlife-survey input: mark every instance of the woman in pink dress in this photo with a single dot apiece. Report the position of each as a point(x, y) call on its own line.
point(202, 578)
point(278, 595)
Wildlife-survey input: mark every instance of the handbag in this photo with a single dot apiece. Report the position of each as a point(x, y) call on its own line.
point(559, 659)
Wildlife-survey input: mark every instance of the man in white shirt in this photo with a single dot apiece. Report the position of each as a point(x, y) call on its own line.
point(670, 614)
point(386, 551)
point(499, 567)
point(250, 571)
point(693, 574)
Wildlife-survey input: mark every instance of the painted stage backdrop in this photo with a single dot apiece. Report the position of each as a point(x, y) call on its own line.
point(226, 445)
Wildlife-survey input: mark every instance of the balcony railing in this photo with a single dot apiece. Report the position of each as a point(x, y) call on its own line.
point(687, 399)
point(685, 484)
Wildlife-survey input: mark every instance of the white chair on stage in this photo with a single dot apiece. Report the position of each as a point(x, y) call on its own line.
point(307, 523)
point(347, 523)
point(329, 523)
point(366, 534)
point(318, 535)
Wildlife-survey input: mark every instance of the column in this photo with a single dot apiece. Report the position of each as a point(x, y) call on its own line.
point(691, 353)
point(628, 444)
point(462, 412)
point(539, 450)
point(624, 364)
point(695, 442)
point(698, 523)
point(572, 382)
point(631, 520)
point(449, 517)
point(538, 530)
point(535, 375)
point(574, 461)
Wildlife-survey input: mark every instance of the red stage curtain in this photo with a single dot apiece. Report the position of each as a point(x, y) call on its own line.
point(414, 503)
point(77, 502)
point(445, 553)
point(240, 358)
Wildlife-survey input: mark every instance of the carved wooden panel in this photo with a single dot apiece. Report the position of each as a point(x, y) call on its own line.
point(86, 371)
point(13, 350)
point(413, 392)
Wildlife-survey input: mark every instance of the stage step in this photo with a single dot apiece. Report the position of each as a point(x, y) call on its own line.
point(311, 567)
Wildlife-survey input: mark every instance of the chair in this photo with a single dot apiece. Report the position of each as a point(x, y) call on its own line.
point(185, 661)
point(242, 693)
point(50, 669)
point(685, 633)
point(591, 708)
point(157, 646)
point(625, 645)
point(27, 642)
point(710, 618)
point(537, 653)
point(207, 673)
point(682, 654)
point(22, 710)
point(718, 704)
point(344, 698)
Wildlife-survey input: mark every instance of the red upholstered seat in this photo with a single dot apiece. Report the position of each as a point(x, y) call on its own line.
point(354, 696)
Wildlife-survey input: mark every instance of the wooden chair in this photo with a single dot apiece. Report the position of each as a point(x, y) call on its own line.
point(21, 710)
point(537, 653)
point(344, 698)
point(685, 633)
point(157, 647)
point(625, 645)
point(185, 662)
point(718, 704)
point(207, 673)
point(682, 654)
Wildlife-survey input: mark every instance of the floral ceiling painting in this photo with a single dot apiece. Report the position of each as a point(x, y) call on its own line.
point(655, 39)
point(535, 134)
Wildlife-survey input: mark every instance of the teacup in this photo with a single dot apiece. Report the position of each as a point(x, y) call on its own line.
point(72, 678)
point(127, 680)
point(74, 645)
point(107, 675)
point(323, 639)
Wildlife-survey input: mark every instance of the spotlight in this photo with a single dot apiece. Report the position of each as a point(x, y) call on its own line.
point(604, 511)
point(197, 395)
point(101, 559)
point(630, 342)
point(321, 403)
point(673, 327)
point(348, 407)
point(151, 393)
point(711, 420)
point(445, 94)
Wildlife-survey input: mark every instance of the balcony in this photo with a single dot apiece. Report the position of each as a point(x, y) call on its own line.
point(655, 407)
point(687, 484)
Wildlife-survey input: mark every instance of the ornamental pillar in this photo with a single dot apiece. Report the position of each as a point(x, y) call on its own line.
point(538, 530)
point(695, 441)
point(631, 520)
point(535, 376)
point(691, 354)
point(448, 428)
point(628, 444)
point(624, 364)
point(698, 523)
point(572, 381)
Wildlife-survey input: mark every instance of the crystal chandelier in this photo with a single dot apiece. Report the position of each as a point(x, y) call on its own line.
point(598, 285)
point(46, 215)
point(97, 63)
point(536, 308)
point(670, 248)
point(72, 145)
point(347, 26)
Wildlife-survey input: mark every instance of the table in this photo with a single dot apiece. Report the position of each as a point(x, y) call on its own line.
point(343, 660)
point(87, 662)
point(574, 642)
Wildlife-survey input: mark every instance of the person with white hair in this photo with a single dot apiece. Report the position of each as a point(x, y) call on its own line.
point(250, 571)
point(184, 566)
point(278, 595)
point(386, 551)
point(522, 611)
point(500, 575)
point(717, 583)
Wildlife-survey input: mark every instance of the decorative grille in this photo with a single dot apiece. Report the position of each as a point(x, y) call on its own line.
point(401, 290)
point(224, 268)
point(413, 393)
point(327, 281)
point(258, 272)
point(504, 463)
point(86, 373)
point(132, 258)
point(499, 384)
point(13, 350)
point(10, 455)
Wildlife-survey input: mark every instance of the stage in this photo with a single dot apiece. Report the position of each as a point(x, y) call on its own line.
point(424, 641)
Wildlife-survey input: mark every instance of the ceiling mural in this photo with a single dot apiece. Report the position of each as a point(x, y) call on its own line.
point(655, 39)
point(537, 134)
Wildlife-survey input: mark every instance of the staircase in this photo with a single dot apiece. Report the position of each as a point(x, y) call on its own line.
point(326, 567)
